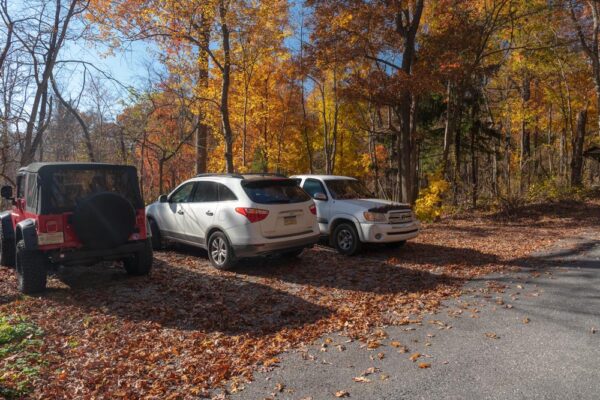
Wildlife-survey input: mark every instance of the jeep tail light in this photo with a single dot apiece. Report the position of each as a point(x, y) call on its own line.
point(313, 209)
point(253, 214)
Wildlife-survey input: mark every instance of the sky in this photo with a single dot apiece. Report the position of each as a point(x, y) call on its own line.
point(127, 65)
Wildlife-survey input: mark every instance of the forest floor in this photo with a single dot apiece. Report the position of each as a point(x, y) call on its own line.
point(188, 328)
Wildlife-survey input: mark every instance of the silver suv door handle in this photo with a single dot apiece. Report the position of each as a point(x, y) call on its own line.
point(209, 213)
point(180, 212)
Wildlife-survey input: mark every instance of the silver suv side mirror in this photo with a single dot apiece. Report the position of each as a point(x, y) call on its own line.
point(162, 198)
point(320, 196)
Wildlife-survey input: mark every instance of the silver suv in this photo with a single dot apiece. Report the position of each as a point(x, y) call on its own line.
point(236, 216)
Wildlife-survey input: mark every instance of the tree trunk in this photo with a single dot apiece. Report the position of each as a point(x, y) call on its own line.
point(474, 161)
point(309, 151)
point(457, 164)
point(407, 28)
point(404, 149)
point(448, 129)
point(161, 167)
point(578, 140)
point(226, 71)
point(202, 128)
point(525, 134)
point(245, 122)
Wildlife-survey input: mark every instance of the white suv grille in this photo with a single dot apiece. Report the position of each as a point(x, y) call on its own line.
point(399, 217)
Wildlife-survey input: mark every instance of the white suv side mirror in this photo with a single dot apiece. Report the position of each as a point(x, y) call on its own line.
point(320, 196)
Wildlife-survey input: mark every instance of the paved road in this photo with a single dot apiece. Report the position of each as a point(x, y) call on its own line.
point(544, 347)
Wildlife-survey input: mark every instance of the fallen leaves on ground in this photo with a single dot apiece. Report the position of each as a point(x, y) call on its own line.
point(342, 393)
point(188, 328)
point(270, 361)
point(492, 335)
point(424, 365)
point(370, 371)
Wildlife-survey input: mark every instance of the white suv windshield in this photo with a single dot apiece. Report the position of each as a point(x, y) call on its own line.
point(347, 189)
point(275, 191)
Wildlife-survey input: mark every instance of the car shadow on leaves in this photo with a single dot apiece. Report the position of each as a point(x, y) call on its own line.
point(325, 269)
point(182, 296)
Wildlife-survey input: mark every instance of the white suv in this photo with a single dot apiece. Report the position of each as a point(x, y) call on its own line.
point(236, 216)
point(350, 215)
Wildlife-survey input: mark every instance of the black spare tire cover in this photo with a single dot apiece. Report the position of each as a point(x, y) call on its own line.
point(104, 220)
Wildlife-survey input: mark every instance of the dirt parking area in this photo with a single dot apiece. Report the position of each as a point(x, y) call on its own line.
point(188, 328)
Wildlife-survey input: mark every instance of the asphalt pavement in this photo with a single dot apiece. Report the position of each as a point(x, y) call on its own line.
point(532, 334)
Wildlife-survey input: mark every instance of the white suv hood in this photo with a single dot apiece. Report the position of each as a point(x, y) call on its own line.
point(359, 206)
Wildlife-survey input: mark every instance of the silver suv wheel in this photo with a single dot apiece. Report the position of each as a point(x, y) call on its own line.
point(220, 252)
point(345, 239)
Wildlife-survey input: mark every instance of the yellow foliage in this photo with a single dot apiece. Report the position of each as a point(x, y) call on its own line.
point(428, 206)
point(552, 190)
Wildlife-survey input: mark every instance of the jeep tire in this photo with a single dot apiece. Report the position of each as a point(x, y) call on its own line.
point(104, 220)
point(220, 252)
point(141, 262)
point(31, 266)
point(345, 239)
point(7, 251)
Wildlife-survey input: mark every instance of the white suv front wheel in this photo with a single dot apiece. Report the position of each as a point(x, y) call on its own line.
point(220, 252)
point(345, 239)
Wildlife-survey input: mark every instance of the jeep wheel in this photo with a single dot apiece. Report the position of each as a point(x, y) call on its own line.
point(156, 239)
point(220, 252)
point(7, 251)
point(31, 269)
point(345, 239)
point(141, 262)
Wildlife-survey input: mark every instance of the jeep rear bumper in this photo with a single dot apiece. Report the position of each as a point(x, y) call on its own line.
point(82, 256)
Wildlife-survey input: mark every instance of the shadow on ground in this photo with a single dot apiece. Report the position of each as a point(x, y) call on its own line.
point(259, 296)
point(185, 298)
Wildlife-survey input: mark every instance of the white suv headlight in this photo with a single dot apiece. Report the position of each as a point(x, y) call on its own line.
point(374, 217)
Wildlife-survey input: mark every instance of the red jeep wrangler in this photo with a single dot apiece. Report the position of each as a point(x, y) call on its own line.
point(73, 213)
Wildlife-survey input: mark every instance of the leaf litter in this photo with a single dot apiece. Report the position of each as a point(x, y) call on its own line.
point(188, 329)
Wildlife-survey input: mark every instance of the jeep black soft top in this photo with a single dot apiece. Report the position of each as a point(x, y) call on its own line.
point(62, 183)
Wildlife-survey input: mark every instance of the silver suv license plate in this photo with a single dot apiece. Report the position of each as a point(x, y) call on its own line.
point(289, 220)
